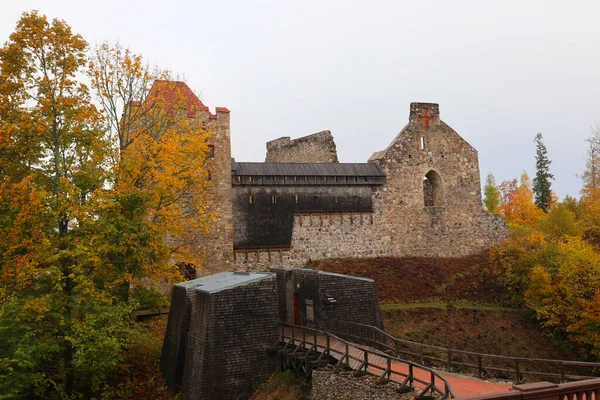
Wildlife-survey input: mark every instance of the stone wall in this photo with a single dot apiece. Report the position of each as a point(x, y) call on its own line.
point(330, 385)
point(316, 148)
point(456, 224)
point(322, 235)
point(216, 246)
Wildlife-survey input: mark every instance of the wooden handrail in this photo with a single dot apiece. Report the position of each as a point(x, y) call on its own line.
point(366, 365)
point(547, 391)
point(448, 361)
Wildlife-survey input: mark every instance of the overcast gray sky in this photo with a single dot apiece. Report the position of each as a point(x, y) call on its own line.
point(500, 70)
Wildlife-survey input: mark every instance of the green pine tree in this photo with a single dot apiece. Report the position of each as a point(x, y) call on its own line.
point(541, 182)
point(491, 194)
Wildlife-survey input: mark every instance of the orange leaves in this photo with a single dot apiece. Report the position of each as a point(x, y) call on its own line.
point(169, 167)
point(159, 148)
point(517, 205)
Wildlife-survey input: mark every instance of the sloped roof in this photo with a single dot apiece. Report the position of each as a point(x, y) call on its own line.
point(224, 280)
point(306, 169)
point(175, 94)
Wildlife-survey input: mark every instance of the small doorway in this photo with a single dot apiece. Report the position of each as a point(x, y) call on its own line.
point(296, 316)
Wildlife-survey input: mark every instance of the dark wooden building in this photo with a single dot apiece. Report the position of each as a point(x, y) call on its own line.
point(220, 326)
point(318, 299)
point(219, 329)
point(267, 196)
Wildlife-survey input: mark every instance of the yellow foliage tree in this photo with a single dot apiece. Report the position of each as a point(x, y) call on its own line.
point(159, 159)
point(60, 329)
point(518, 205)
point(566, 301)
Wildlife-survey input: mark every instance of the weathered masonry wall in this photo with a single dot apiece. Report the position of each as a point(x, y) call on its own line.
point(322, 235)
point(431, 200)
point(316, 148)
point(216, 246)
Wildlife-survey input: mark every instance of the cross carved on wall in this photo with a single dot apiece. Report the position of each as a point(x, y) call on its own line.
point(426, 118)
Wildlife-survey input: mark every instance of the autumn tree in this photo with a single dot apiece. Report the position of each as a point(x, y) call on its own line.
point(62, 331)
point(567, 298)
point(590, 192)
point(560, 221)
point(517, 206)
point(159, 159)
point(541, 182)
point(591, 174)
point(491, 198)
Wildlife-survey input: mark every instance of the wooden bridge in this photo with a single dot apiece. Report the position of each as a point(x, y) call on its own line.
point(303, 349)
point(517, 369)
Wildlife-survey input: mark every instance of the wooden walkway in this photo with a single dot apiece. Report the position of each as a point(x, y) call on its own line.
point(364, 359)
point(306, 348)
point(399, 371)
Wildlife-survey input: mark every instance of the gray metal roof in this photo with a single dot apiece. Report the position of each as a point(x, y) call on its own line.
point(224, 280)
point(306, 169)
point(318, 271)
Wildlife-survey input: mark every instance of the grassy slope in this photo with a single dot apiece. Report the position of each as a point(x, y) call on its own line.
point(511, 333)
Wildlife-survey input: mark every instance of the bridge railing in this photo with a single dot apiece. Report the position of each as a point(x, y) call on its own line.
point(480, 364)
point(590, 389)
point(387, 367)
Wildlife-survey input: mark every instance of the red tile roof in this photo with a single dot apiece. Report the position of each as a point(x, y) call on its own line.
point(222, 109)
point(176, 94)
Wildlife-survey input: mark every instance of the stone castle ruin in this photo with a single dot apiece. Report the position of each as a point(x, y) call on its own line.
point(421, 196)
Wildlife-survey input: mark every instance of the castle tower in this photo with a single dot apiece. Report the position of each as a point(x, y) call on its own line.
point(215, 247)
point(218, 244)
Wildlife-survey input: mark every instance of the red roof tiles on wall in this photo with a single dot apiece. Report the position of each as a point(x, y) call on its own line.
point(174, 92)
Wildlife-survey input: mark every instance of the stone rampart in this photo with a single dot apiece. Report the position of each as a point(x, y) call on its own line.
point(316, 148)
point(318, 236)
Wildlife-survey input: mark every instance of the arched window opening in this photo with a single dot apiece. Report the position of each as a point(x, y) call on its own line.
point(432, 189)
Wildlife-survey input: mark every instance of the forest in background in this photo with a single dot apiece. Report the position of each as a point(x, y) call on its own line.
point(551, 261)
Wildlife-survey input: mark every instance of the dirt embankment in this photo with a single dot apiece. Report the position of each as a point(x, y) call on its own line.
point(463, 282)
point(509, 333)
point(410, 279)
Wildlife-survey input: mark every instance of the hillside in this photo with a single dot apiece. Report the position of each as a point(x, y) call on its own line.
point(412, 279)
point(430, 300)
point(505, 332)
